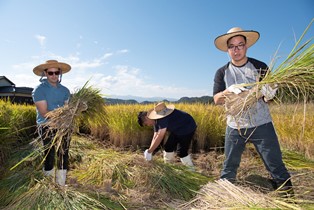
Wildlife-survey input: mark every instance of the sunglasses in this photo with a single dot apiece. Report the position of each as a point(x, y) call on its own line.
point(53, 73)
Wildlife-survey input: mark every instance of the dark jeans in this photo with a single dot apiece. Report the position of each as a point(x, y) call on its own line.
point(47, 137)
point(266, 143)
point(181, 143)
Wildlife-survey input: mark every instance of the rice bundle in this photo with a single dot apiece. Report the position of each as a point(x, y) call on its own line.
point(175, 180)
point(222, 194)
point(128, 172)
point(294, 77)
point(85, 105)
point(46, 195)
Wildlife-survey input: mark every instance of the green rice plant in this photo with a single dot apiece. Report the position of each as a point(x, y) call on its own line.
point(175, 180)
point(80, 145)
point(17, 121)
point(5, 116)
point(123, 129)
point(297, 161)
point(125, 171)
point(98, 167)
point(46, 195)
point(294, 76)
point(302, 176)
point(210, 125)
point(17, 125)
point(293, 123)
point(26, 183)
point(15, 182)
point(294, 129)
point(107, 168)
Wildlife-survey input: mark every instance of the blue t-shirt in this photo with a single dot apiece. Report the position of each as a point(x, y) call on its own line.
point(54, 96)
point(178, 123)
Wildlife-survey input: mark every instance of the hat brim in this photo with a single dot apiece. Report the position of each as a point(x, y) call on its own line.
point(251, 38)
point(152, 114)
point(38, 70)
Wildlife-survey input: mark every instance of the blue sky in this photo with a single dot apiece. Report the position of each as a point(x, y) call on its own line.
point(160, 48)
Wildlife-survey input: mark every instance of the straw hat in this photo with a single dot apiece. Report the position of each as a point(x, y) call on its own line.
point(160, 111)
point(38, 70)
point(251, 37)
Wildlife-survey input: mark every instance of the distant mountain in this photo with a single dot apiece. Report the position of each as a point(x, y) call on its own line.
point(119, 101)
point(141, 99)
point(203, 99)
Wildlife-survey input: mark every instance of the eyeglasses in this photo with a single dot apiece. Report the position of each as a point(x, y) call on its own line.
point(233, 47)
point(53, 73)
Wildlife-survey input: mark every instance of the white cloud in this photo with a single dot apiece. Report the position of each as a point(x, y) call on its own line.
point(86, 64)
point(41, 39)
point(107, 55)
point(123, 51)
point(129, 81)
point(112, 80)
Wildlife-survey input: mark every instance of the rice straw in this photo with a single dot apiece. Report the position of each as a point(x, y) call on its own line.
point(294, 78)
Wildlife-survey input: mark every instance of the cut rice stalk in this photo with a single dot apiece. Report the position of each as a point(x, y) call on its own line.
point(294, 77)
point(47, 195)
point(85, 105)
point(222, 194)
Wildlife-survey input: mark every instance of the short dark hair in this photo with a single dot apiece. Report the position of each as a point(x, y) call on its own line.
point(141, 117)
point(244, 37)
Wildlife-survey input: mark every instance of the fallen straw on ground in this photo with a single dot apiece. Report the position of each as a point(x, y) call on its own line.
point(222, 194)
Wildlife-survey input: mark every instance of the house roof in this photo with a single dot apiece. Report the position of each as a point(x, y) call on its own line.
point(5, 81)
point(6, 86)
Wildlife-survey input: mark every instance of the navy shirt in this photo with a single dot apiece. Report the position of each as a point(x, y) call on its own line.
point(178, 123)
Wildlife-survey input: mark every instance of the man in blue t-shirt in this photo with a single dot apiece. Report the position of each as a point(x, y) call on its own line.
point(256, 124)
point(179, 124)
point(47, 96)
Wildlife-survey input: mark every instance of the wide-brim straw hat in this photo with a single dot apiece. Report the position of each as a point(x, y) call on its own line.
point(251, 38)
point(38, 70)
point(160, 111)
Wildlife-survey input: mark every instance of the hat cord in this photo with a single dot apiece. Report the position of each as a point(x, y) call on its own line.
point(42, 76)
point(60, 78)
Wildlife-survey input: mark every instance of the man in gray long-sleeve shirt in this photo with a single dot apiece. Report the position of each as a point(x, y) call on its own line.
point(256, 124)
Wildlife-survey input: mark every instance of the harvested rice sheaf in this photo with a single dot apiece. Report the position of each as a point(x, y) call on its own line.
point(222, 194)
point(294, 78)
point(86, 105)
point(47, 195)
point(126, 171)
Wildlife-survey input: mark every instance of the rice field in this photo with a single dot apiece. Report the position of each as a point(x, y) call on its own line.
point(107, 169)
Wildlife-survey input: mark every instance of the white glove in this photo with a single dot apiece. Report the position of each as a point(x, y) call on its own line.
point(148, 156)
point(269, 92)
point(236, 89)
